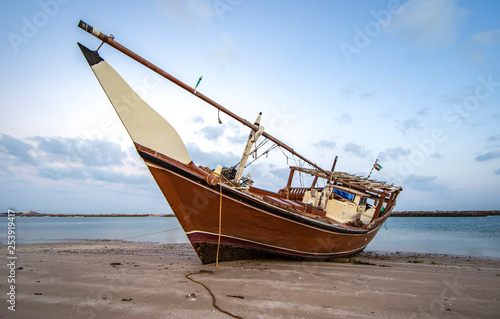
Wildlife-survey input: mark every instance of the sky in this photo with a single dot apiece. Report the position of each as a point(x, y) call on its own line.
point(414, 84)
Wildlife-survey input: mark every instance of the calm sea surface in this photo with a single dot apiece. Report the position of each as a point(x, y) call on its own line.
point(469, 236)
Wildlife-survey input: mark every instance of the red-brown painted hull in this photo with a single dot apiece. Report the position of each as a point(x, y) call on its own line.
point(250, 227)
point(249, 223)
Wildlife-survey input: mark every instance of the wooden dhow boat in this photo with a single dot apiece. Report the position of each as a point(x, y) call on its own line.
point(222, 214)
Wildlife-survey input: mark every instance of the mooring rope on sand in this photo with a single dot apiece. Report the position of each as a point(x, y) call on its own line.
point(214, 299)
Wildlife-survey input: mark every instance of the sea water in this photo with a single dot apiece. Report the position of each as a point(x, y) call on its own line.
point(465, 236)
point(33, 230)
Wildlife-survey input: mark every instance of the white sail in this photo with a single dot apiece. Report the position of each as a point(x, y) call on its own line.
point(144, 125)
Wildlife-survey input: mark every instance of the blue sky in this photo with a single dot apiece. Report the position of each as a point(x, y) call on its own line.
point(413, 83)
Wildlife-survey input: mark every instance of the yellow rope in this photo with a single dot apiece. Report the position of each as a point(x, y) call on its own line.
point(214, 302)
point(220, 176)
point(220, 229)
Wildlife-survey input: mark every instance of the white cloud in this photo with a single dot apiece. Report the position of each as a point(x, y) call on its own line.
point(349, 93)
point(58, 158)
point(494, 138)
point(414, 122)
point(86, 175)
point(356, 149)
point(367, 95)
point(213, 158)
point(428, 21)
point(346, 93)
point(345, 118)
point(197, 119)
point(326, 144)
point(409, 124)
point(487, 37)
point(393, 153)
point(212, 133)
point(190, 12)
point(488, 156)
point(226, 54)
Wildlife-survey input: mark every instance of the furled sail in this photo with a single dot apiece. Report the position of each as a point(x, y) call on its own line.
point(144, 125)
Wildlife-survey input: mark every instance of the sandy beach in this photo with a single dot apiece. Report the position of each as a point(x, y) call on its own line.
point(98, 279)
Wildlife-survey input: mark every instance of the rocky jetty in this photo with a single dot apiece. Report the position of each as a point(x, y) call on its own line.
point(438, 213)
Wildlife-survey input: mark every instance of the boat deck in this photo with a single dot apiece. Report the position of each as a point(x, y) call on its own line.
point(295, 205)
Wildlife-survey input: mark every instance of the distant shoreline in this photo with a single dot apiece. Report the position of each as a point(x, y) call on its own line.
point(437, 213)
point(473, 213)
point(90, 215)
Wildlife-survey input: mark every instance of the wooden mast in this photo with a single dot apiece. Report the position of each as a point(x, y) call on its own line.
point(250, 142)
point(110, 41)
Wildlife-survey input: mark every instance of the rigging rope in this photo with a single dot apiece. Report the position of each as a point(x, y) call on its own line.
point(287, 158)
point(256, 157)
point(163, 231)
point(266, 152)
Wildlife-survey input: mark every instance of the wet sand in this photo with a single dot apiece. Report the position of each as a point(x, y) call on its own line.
point(140, 280)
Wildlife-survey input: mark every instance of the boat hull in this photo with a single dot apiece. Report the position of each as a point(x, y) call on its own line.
point(250, 228)
point(221, 219)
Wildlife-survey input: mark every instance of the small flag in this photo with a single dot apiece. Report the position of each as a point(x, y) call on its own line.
point(199, 80)
point(377, 166)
